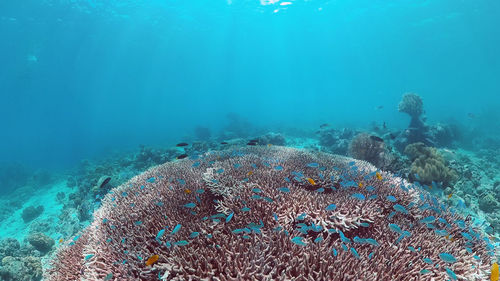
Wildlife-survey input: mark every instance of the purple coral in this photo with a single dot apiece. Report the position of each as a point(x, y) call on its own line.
point(255, 208)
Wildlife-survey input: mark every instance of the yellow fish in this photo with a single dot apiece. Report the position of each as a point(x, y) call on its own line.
point(152, 260)
point(494, 272)
point(187, 191)
point(311, 181)
point(360, 185)
point(250, 173)
point(60, 241)
point(269, 145)
point(449, 195)
point(378, 175)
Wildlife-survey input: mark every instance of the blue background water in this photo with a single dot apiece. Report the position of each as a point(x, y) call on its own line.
point(79, 78)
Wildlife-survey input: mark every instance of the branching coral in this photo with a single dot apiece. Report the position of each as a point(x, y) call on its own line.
point(288, 215)
point(428, 165)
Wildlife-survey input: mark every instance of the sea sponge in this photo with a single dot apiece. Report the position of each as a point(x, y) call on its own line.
point(412, 105)
point(269, 213)
point(428, 165)
point(371, 149)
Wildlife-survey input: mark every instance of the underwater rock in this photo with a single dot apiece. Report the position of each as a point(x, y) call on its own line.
point(12, 176)
point(270, 213)
point(443, 135)
point(71, 182)
point(41, 242)
point(272, 138)
point(9, 247)
point(336, 141)
point(21, 269)
point(488, 203)
point(428, 166)
point(30, 213)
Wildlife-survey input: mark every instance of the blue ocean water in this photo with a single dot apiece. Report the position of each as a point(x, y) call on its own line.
point(82, 77)
point(94, 92)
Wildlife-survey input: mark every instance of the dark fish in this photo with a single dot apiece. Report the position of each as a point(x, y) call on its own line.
point(182, 156)
point(384, 126)
point(392, 136)
point(251, 143)
point(182, 144)
point(223, 142)
point(375, 138)
point(322, 126)
point(254, 140)
point(379, 107)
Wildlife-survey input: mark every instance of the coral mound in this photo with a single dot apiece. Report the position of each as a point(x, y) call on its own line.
point(272, 213)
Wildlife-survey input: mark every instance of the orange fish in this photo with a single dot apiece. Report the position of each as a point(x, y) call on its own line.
point(60, 241)
point(311, 181)
point(269, 145)
point(378, 175)
point(250, 173)
point(360, 185)
point(449, 195)
point(152, 260)
point(494, 272)
point(187, 191)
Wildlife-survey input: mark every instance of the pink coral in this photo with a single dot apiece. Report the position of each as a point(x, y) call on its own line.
point(249, 204)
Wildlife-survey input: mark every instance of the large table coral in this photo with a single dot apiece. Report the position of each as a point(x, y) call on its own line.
point(273, 213)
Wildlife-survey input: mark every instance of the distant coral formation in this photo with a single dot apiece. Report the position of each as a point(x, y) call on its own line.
point(412, 105)
point(428, 165)
point(372, 149)
point(271, 213)
point(31, 212)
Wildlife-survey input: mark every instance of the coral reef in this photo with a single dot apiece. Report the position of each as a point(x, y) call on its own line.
point(9, 247)
point(21, 269)
point(428, 165)
point(31, 212)
point(41, 242)
point(372, 149)
point(417, 131)
point(336, 141)
point(412, 105)
point(272, 138)
point(272, 213)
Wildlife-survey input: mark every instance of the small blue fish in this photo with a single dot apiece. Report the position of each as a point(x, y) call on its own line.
point(429, 219)
point(343, 238)
point(176, 229)
point(428, 261)
point(370, 256)
point(275, 217)
point(451, 273)
point(160, 234)
point(359, 196)
point(190, 205)
point(364, 224)
point(312, 165)
point(424, 271)
point(334, 252)
point(331, 207)
point(88, 257)
point(320, 190)
point(194, 234)
point(278, 168)
point(245, 209)
point(447, 258)
point(466, 236)
point(391, 198)
point(441, 232)
point(400, 208)
point(220, 171)
point(138, 223)
point(200, 191)
point(151, 180)
point(395, 228)
point(181, 243)
point(229, 217)
point(257, 190)
point(284, 189)
point(318, 239)
point(355, 253)
point(298, 240)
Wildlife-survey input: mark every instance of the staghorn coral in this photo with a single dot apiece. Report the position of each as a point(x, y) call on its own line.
point(428, 165)
point(371, 149)
point(252, 239)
